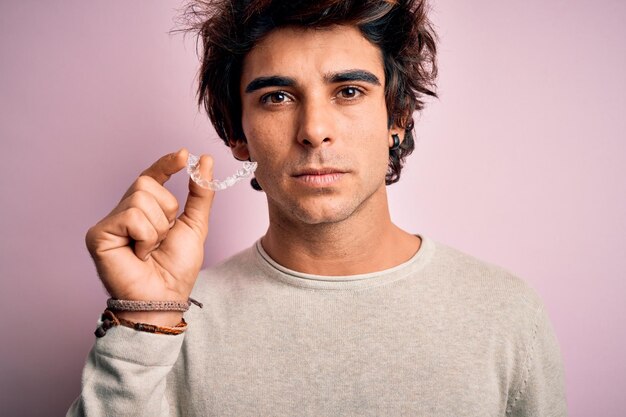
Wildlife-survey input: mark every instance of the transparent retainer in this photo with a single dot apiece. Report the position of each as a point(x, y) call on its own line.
point(193, 169)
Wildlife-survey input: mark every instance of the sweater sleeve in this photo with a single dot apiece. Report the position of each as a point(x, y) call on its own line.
point(542, 390)
point(125, 375)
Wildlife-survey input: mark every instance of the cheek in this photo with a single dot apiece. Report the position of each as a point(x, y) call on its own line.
point(381, 157)
point(372, 141)
point(265, 147)
point(257, 135)
point(264, 133)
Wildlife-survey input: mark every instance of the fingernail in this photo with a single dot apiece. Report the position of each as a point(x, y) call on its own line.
point(146, 258)
point(172, 223)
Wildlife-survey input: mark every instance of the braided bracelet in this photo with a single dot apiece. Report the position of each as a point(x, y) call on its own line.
point(134, 305)
point(109, 320)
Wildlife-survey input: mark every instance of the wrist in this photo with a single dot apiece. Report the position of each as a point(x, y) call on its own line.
point(158, 313)
point(156, 318)
point(109, 319)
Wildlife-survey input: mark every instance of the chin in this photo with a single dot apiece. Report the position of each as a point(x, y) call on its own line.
point(319, 220)
point(324, 207)
point(322, 214)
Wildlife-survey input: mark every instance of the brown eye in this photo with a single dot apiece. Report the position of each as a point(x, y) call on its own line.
point(277, 97)
point(350, 92)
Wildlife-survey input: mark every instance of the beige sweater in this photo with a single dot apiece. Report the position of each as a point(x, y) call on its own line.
point(443, 334)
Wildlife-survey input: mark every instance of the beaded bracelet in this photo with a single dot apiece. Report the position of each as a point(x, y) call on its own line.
point(134, 305)
point(109, 320)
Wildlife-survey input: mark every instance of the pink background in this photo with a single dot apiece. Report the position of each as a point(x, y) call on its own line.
point(520, 162)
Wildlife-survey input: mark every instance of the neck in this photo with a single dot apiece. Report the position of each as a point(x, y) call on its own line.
point(360, 244)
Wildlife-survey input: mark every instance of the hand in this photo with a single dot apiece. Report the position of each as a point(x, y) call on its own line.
point(142, 251)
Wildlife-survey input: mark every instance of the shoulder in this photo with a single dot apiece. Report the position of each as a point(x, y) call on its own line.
point(487, 301)
point(502, 314)
point(484, 295)
point(481, 280)
point(227, 276)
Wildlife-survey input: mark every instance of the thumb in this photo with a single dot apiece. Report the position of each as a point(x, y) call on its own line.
point(199, 200)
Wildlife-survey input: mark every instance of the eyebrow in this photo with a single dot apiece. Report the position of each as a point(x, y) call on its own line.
point(331, 78)
point(352, 75)
point(273, 81)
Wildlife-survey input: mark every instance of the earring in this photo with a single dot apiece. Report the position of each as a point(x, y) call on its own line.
point(396, 142)
point(255, 184)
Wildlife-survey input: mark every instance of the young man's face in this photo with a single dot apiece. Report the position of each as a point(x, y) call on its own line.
point(314, 116)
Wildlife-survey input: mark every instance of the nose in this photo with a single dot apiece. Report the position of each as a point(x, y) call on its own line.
point(316, 124)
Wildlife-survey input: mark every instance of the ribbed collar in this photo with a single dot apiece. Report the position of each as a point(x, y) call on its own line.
point(347, 282)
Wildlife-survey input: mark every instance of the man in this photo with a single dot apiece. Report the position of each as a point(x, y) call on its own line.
point(335, 311)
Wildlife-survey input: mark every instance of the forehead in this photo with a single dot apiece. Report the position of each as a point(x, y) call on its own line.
point(306, 53)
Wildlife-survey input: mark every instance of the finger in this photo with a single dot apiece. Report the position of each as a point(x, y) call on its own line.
point(141, 231)
point(165, 199)
point(125, 227)
point(151, 208)
point(167, 165)
point(198, 204)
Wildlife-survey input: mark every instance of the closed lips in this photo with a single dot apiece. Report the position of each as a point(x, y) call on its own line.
point(321, 176)
point(319, 171)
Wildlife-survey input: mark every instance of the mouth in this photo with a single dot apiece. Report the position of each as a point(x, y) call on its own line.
point(322, 176)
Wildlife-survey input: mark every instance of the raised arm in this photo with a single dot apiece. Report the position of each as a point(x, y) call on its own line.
point(143, 252)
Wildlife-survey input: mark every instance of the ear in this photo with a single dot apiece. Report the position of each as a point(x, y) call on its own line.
point(239, 149)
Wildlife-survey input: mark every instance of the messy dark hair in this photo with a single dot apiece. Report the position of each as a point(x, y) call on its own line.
point(228, 29)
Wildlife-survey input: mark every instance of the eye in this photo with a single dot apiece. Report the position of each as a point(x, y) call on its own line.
point(350, 92)
point(276, 97)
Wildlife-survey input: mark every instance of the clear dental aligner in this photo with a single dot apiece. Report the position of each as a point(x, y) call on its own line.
point(193, 169)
